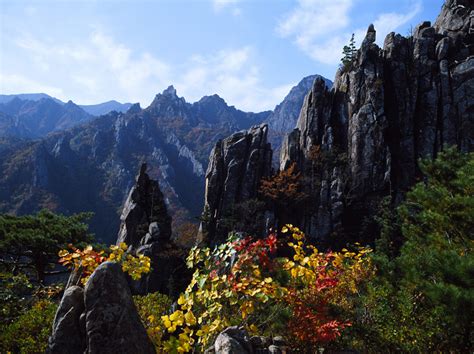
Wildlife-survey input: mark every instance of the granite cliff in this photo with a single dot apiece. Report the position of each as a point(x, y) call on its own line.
point(285, 115)
point(236, 166)
point(362, 140)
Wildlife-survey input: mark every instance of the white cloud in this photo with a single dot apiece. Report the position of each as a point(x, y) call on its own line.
point(96, 68)
point(320, 28)
point(101, 68)
point(387, 22)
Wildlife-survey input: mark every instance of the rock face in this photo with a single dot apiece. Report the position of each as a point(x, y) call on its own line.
point(100, 318)
point(362, 140)
point(236, 166)
point(144, 209)
point(146, 229)
point(68, 329)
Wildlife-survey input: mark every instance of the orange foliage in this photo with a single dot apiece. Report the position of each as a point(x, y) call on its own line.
point(285, 188)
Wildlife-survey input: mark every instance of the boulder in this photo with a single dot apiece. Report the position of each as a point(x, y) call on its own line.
point(233, 340)
point(101, 318)
point(112, 321)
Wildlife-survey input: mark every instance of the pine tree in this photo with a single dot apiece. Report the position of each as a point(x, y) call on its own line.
point(427, 283)
point(349, 53)
point(32, 242)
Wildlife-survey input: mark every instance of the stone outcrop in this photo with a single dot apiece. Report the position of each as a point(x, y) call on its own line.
point(101, 318)
point(236, 166)
point(146, 229)
point(112, 322)
point(235, 340)
point(68, 328)
point(361, 140)
point(144, 206)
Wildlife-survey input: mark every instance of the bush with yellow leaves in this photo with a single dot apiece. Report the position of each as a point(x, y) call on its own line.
point(242, 282)
point(88, 259)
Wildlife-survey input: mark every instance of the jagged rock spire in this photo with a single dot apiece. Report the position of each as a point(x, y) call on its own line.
point(146, 229)
point(144, 206)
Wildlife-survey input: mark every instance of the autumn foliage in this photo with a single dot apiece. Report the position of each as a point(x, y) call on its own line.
point(319, 282)
point(242, 282)
point(87, 260)
point(285, 188)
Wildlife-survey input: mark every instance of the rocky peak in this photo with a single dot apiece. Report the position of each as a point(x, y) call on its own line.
point(170, 92)
point(370, 37)
point(168, 105)
point(144, 206)
point(213, 100)
point(134, 108)
point(283, 119)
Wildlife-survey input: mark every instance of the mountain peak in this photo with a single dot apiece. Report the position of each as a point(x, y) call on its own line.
point(170, 91)
point(214, 99)
point(134, 108)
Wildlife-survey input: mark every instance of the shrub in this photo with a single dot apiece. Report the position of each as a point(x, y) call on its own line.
point(30, 332)
point(151, 307)
point(242, 283)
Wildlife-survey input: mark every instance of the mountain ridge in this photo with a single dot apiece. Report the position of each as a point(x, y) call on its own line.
point(91, 166)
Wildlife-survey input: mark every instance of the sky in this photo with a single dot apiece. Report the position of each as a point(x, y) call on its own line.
point(249, 52)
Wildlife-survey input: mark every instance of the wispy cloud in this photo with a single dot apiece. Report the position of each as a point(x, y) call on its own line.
point(320, 28)
point(97, 67)
point(233, 75)
point(232, 5)
point(13, 83)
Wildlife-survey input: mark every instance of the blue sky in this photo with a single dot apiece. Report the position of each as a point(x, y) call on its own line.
point(250, 52)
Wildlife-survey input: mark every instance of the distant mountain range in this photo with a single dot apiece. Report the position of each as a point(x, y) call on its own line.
point(106, 107)
point(34, 119)
point(34, 115)
point(91, 165)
